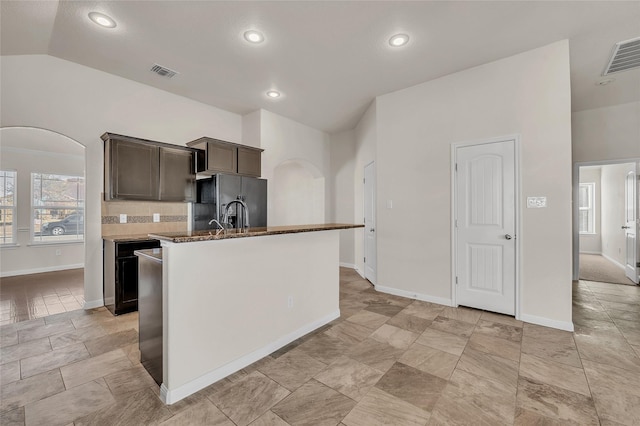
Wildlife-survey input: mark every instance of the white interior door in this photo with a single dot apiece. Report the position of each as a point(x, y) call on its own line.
point(630, 227)
point(370, 257)
point(485, 226)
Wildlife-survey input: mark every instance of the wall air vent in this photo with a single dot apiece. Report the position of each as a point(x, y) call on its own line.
point(625, 56)
point(163, 71)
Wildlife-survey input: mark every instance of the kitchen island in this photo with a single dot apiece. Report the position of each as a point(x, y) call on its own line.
point(233, 297)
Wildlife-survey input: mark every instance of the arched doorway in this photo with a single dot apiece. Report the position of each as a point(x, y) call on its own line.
point(43, 217)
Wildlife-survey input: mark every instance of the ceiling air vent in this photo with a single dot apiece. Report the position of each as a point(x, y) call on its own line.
point(163, 71)
point(625, 56)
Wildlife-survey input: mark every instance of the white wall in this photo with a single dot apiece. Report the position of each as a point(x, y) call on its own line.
point(342, 191)
point(251, 126)
point(527, 94)
point(290, 290)
point(613, 214)
point(285, 142)
point(610, 133)
point(82, 103)
point(298, 196)
point(592, 243)
point(18, 152)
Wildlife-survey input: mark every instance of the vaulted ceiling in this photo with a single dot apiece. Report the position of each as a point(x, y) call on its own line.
point(328, 59)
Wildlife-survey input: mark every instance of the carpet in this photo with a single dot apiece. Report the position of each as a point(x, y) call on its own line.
point(594, 267)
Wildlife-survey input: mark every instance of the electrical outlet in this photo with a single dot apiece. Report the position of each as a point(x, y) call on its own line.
point(290, 302)
point(123, 218)
point(58, 252)
point(156, 217)
point(389, 204)
point(536, 202)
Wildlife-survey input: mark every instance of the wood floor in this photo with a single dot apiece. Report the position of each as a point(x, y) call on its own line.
point(386, 361)
point(26, 297)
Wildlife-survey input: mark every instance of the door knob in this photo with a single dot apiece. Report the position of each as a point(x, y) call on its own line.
point(626, 227)
point(508, 237)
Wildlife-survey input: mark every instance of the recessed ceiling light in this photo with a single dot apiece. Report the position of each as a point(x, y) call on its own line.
point(102, 20)
point(605, 81)
point(253, 36)
point(399, 40)
point(273, 94)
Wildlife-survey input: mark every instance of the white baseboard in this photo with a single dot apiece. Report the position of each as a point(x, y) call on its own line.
point(413, 295)
point(615, 262)
point(92, 304)
point(40, 270)
point(560, 325)
point(590, 252)
point(163, 393)
point(171, 396)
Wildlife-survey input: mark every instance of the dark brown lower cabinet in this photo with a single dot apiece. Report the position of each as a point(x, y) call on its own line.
point(121, 274)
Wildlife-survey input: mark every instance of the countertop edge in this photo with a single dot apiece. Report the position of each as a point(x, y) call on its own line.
point(258, 232)
point(124, 238)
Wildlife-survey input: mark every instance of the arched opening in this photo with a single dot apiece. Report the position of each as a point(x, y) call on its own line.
point(42, 222)
point(298, 194)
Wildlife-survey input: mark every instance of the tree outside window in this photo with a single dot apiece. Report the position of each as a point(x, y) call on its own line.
point(7, 207)
point(586, 208)
point(58, 208)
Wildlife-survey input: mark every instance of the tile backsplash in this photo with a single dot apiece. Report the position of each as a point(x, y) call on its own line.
point(173, 217)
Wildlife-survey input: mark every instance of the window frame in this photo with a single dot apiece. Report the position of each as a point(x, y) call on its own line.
point(79, 208)
point(14, 211)
point(591, 208)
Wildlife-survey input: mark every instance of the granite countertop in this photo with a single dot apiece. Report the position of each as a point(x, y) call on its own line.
point(219, 234)
point(131, 237)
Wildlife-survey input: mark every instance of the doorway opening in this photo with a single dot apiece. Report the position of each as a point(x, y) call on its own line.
point(42, 223)
point(605, 222)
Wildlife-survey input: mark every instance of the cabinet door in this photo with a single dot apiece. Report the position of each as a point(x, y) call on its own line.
point(177, 177)
point(249, 162)
point(222, 157)
point(127, 284)
point(134, 171)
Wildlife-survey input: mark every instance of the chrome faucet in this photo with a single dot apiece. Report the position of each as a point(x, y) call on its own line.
point(216, 222)
point(245, 211)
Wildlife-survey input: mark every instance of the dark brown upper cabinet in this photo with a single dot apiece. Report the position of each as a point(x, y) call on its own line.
point(217, 156)
point(249, 161)
point(139, 169)
point(221, 157)
point(177, 174)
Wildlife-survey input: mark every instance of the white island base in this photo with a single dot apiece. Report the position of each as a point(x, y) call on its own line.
point(228, 303)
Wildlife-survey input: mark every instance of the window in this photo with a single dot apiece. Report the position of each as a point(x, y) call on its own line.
point(58, 208)
point(586, 206)
point(7, 207)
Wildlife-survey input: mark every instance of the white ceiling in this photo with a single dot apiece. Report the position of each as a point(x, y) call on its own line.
point(329, 59)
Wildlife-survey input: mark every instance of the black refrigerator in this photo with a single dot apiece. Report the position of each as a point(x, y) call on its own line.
point(216, 192)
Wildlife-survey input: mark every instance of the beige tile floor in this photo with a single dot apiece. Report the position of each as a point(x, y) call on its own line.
point(386, 361)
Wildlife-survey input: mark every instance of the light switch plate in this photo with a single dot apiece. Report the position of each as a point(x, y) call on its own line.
point(123, 218)
point(389, 204)
point(156, 217)
point(536, 202)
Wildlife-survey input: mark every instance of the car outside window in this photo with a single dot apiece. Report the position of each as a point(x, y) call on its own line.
point(57, 207)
